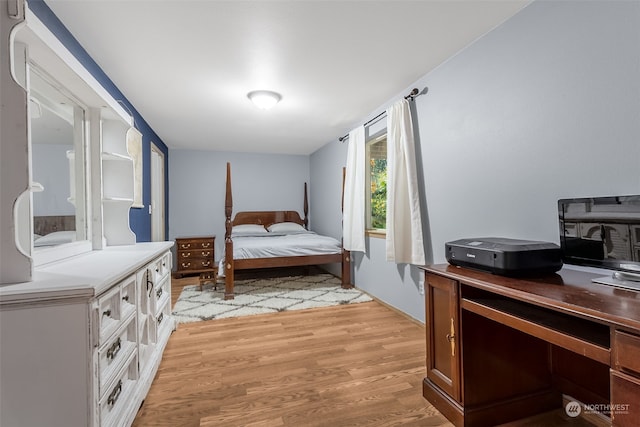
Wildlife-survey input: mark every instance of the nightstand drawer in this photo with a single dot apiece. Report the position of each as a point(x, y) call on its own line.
point(195, 253)
point(193, 244)
point(195, 264)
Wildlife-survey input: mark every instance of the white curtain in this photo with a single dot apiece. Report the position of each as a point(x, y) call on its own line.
point(404, 223)
point(353, 215)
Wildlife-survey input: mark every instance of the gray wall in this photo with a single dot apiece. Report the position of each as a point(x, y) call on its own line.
point(51, 169)
point(259, 182)
point(545, 106)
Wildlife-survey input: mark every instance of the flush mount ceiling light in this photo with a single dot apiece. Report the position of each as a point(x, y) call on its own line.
point(264, 99)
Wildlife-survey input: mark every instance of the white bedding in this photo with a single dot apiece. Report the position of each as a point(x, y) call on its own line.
point(271, 245)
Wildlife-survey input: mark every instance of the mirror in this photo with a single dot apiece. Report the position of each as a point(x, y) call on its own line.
point(58, 163)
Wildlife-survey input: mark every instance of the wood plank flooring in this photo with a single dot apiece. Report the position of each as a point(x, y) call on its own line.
point(351, 365)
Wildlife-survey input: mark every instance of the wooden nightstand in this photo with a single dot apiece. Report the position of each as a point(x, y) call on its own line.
point(195, 255)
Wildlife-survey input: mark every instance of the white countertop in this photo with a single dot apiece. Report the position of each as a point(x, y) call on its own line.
point(84, 276)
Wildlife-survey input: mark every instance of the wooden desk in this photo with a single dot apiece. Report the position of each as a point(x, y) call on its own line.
point(501, 349)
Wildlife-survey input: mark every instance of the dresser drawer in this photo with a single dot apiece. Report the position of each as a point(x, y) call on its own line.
point(163, 317)
point(626, 352)
point(114, 400)
point(162, 292)
point(161, 268)
point(114, 306)
point(113, 354)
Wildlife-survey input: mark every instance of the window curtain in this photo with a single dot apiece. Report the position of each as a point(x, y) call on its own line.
point(353, 215)
point(404, 244)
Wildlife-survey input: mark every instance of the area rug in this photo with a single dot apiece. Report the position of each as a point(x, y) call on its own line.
point(263, 295)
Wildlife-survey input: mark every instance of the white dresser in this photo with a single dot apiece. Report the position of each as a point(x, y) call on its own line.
point(81, 343)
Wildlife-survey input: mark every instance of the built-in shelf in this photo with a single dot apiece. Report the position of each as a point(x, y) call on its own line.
point(115, 156)
point(573, 333)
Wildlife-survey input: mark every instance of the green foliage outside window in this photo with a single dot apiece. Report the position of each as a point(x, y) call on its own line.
point(378, 193)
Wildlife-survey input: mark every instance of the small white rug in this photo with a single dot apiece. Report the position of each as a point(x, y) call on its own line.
point(263, 295)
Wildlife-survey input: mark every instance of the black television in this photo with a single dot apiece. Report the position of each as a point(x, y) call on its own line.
point(603, 232)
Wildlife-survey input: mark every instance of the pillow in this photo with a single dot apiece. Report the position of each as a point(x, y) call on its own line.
point(55, 238)
point(286, 227)
point(248, 230)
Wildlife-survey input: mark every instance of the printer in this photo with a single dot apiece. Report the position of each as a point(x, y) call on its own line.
point(507, 257)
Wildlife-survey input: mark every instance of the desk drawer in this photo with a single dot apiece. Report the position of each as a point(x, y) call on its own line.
point(626, 352)
point(625, 399)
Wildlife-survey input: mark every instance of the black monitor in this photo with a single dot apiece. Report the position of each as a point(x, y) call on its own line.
point(603, 232)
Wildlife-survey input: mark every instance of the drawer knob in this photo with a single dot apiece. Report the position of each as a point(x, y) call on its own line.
point(159, 293)
point(107, 313)
point(205, 254)
point(125, 298)
point(186, 264)
point(185, 245)
point(160, 318)
point(206, 263)
point(206, 245)
point(186, 255)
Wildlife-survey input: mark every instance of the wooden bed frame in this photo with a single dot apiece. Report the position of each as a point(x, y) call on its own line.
point(44, 225)
point(267, 218)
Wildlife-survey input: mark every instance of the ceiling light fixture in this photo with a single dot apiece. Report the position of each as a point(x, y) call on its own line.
point(264, 99)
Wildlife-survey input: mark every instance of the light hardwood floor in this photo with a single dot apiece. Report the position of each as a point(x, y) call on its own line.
point(351, 365)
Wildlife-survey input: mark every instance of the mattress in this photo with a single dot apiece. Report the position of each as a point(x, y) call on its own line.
point(281, 245)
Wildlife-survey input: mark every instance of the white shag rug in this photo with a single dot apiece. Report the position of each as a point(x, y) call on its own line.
point(263, 295)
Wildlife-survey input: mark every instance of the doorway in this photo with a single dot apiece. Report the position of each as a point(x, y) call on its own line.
point(157, 194)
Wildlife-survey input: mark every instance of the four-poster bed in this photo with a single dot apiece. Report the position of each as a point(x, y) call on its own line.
point(268, 239)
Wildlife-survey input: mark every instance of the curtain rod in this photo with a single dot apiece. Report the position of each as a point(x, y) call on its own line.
point(414, 93)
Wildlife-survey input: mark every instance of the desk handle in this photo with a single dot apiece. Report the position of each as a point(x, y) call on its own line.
point(451, 337)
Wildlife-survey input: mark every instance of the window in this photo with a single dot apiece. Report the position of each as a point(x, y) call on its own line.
point(376, 181)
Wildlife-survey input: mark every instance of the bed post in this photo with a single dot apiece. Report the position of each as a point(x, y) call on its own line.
point(346, 255)
point(306, 208)
point(228, 243)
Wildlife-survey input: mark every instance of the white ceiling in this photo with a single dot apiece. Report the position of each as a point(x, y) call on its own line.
point(187, 66)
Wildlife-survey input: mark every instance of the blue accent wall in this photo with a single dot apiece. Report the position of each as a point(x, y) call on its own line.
point(140, 219)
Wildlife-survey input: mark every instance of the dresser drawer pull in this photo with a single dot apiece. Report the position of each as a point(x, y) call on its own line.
point(115, 394)
point(186, 264)
point(206, 263)
point(114, 349)
point(185, 245)
point(205, 254)
point(107, 313)
point(206, 244)
point(160, 318)
point(159, 293)
point(186, 255)
point(125, 298)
